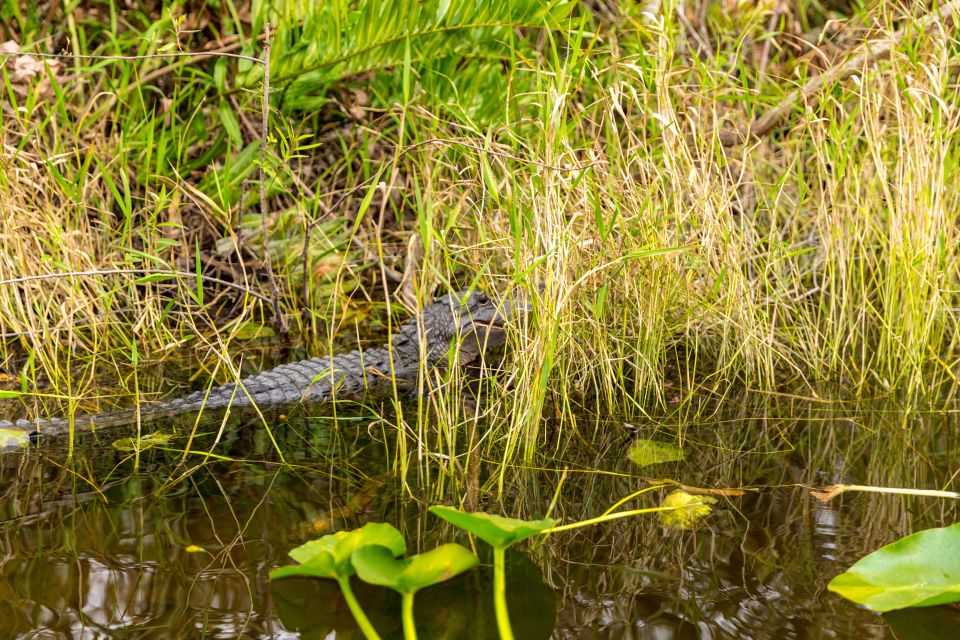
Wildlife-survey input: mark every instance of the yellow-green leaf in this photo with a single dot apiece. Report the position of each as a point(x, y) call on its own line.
point(252, 331)
point(920, 570)
point(10, 438)
point(143, 443)
point(647, 452)
point(688, 509)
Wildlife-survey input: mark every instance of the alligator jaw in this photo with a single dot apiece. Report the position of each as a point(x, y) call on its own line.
point(483, 322)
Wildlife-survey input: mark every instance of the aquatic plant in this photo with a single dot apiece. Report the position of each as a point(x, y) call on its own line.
point(378, 565)
point(500, 533)
point(920, 570)
point(331, 557)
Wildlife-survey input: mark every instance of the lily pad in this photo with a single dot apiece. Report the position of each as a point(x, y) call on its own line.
point(497, 531)
point(644, 453)
point(689, 509)
point(377, 565)
point(329, 557)
point(143, 443)
point(920, 570)
point(253, 331)
point(14, 438)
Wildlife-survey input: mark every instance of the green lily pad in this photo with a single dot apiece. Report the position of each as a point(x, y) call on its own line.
point(11, 438)
point(253, 331)
point(646, 452)
point(497, 531)
point(330, 556)
point(689, 509)
point(143, 443)
point(920, 570)
point(377, 565)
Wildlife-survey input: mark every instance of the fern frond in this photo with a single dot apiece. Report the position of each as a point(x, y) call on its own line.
point(319, 43)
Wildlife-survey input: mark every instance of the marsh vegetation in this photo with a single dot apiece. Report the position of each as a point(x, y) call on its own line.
point(735, 222)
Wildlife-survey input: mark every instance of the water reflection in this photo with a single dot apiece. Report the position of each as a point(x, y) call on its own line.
point(183, 548)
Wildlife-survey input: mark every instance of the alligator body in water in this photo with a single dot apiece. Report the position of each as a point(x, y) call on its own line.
point(462, 326)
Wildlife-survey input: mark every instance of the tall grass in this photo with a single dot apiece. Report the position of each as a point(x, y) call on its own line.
point(594, 180)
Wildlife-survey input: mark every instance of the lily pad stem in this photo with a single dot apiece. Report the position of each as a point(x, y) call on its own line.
point(409, 626)
point(362, 620)
point(500, 593)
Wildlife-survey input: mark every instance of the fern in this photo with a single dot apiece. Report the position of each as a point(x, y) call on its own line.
point(317, 44)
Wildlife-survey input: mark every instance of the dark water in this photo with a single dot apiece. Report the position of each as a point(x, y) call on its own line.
point(183, 548)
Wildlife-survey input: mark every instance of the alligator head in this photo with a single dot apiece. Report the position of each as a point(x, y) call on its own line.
point(472, 320)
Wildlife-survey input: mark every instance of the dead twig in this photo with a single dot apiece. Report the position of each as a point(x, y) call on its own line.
point(831, 492)
point(146, 56)
point(869, 53)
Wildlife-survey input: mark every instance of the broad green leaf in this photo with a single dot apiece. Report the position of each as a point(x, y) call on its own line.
point(920, 570)
point(647, 452)
point(689, 509)
point(10, 438)
point(252, 331)
point(377, 565)
point(329, 557)
point(143, 443)
point(231, 124)
point(317, 44)
point(497, 531)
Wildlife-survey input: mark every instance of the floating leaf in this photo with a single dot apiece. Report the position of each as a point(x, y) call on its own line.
point(13, 438)
point(497, 531)
point(646, 452)
point(920, 570)
point(252, 331)
point(329, 557)
point(377, 565)
point(689, 509)
point(143, 443)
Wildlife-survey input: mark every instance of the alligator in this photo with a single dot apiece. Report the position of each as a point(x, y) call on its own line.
point(457, 328)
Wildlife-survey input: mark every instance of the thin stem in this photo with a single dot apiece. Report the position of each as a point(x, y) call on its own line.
point(409, 625)
point(500, 593)
point(607, 517)
point(278, 318)
point(362, 620)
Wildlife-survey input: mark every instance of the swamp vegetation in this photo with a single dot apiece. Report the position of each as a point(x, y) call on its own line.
point(736, 225)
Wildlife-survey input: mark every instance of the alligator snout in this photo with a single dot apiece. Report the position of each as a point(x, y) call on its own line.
point(487, 318)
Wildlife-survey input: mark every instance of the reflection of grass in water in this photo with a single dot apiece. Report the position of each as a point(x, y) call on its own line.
point(96, 535)
point(767, 556)
point(775, 546)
